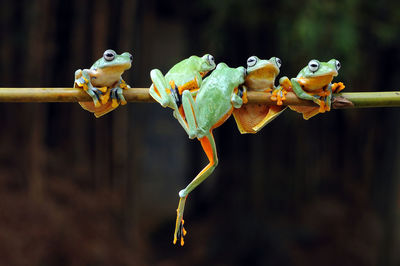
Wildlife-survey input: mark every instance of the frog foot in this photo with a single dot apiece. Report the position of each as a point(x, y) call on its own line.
point(324, 93)
point(180, 231)
point(285, 83)
point(83, 83)
point(337, 87)
point(117, 96)
point(322, 106)
point(103, 89)
point(279, 95)
point(104, 97)
point(96, 95)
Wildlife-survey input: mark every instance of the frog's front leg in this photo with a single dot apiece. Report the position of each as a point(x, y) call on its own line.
point(279, 94)
point(304, 95)
point(117, 96)
point(328, 98)
point(160, 90)
point(82, 79)
point(208, 145)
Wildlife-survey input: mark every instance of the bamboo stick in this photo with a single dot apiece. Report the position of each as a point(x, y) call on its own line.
point(341, 100)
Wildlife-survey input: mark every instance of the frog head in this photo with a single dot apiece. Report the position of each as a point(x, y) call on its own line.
point(206, 63)
point(108, 69)
point(261, 74)
point(318, 74)
point(234, 76)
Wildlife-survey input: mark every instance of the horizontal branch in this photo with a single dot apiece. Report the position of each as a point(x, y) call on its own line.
point(341, 100)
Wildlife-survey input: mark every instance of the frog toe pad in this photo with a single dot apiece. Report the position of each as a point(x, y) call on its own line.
point(181, 232)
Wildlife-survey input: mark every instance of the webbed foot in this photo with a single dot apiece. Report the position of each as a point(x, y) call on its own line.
point(285, 83)
point(105, 96)
point(337, 87)
point(322, 106)
point(279, 95)
point(117, 96)
point(180, 231)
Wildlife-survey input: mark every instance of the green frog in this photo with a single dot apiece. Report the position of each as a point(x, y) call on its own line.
point(314, 83)
point(103, 81)
point(212, 106)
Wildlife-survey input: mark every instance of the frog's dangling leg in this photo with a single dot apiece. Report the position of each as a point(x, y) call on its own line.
point(208, 145)
point(160, 90)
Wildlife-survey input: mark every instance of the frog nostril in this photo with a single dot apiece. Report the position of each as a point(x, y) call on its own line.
point(131, 58)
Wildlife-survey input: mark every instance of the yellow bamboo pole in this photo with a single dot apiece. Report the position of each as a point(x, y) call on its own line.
point(341, 100)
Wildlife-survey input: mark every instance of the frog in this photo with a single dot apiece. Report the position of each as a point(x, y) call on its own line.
point(261, 75)
point(103, 81)
point(314, 83)
point(218, 95)
point(186, 75)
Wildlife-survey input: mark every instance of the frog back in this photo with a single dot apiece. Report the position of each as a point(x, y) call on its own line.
point(214, 101)
point(184, 72)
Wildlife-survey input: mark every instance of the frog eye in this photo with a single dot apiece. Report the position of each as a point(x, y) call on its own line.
point(252, 61)
point(313, 65)
point(109, 55)
point(337, 65)
point(210, 59)
point(278, 62)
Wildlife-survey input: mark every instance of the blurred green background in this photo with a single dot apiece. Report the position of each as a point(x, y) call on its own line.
point(75, 190)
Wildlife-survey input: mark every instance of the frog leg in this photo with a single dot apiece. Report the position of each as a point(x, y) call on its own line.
point(117, 96)
point(208, 145)
point(84, 82)
point(328, 98)
point(190, 110)
point(304, 95)
point(160, 90)
point(279, 95)
point(236, 100)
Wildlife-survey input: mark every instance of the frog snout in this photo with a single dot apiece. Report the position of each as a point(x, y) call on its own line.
point(131, 57)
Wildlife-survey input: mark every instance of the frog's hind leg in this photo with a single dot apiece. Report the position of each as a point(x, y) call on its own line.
point(190, 111)
point(208, 144)
point(160, 90)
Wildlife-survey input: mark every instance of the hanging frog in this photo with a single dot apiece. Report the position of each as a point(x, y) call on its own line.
point(314, 83)
point(185, 75)
point(103, 80)
point(261, 74)
point(214, 103)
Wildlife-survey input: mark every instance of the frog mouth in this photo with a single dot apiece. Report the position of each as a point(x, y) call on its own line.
point(332, 73)
point(262, 78)
point(117, 68)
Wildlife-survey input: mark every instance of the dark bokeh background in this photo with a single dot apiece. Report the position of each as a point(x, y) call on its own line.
point(76, 190)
